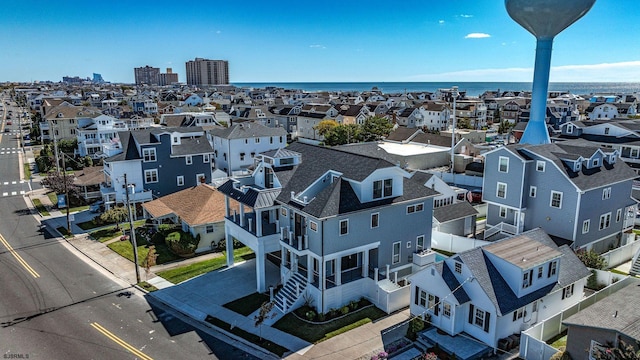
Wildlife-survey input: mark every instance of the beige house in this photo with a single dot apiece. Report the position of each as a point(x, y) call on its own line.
point(61, 122)
point(199, 210)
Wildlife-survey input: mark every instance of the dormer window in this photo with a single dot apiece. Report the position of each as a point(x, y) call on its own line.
point(596, 162)
point(540, 166)
point(570, 128)
point(382, 188)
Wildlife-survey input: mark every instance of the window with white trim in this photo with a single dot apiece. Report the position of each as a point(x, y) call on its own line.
point(375, 220)
point(420, 243)
point(553, 268)
point(533, 191)
point(567, 292)
point(479, 318)
point(540, 165)
point(180, 180)
point(605, 221)
point(618, 215)
point(209, 229)
point(149, 155)
point(415, 208)
point(556, 199)
point(503, 164)
point(313, 226)
point(446, 309)
point(503, 212)
point(606, 193)
point(188, 159)
point(423, 298)
point(457, 267)
point(382, 188)
point(501, 190)
point(283, 212)
point(395, 258)
point(200, 179)
point(585, 226)
point(151, 176)
point(540, 271)
point(205, 158)
point(344, 227)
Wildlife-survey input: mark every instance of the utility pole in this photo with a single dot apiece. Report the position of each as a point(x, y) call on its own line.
point(132, 230)
point(66, 193)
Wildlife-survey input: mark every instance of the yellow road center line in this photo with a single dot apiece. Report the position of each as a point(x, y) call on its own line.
point(19, 258)
point(120, 342)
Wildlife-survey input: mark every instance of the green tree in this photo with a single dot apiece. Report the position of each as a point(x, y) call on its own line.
point(88, 161)
point(343, 134)
point(592, 259)
point(325, 126)
point(56, 182)
point(504, 127)
point(463, 123)
point(150, 259)
point(115, 215)
point(375, 128)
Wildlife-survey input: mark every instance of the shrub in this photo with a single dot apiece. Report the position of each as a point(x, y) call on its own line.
point(310, 315)
point(353, 305)
point(182, 243)
point(321, 317)
point(344, 310)
point(592, 259)
point(415, 326)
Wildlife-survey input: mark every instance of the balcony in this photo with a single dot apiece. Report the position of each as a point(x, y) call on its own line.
point(424, 257)
point(300, 242)
point(266, 240)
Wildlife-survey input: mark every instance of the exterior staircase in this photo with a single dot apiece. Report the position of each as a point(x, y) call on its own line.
point(290, 295)
point(635, 265)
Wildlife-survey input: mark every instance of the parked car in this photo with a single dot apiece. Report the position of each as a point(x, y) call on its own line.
point(9, 123)
point(97, 207)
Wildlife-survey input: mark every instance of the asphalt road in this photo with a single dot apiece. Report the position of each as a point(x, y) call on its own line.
point(56, 304)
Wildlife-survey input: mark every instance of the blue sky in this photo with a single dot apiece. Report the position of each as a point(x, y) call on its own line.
point(306, 41)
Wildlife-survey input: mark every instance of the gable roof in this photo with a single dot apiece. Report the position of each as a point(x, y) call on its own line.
point(338, 197)
point(454, 211)
point(497, 289)
point(247, 130)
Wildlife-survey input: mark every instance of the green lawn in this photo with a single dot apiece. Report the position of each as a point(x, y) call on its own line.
point(79, 208)
point(63, 230)
point(145, 285)
point(27, 171)
point(180, 274)
point(125, 249)
point(41, 208)
point(254, 339)
point(248, 304)
point(315, 333)
point(110, 232)
point(53, 197)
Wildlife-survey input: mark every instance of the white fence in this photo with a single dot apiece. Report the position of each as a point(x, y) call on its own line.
point(390, 301)
point(533, 344)
point(460, 179)
point(454, 243)
point(622, 254)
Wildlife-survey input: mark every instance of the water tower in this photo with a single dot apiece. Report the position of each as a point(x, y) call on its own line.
point(544, 19)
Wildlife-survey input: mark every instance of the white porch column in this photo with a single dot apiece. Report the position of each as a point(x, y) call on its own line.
point(388, 276)
point(309, 269)
point(321, 283)
point(258, 223)
point(261, 269)
point(283, 254)
point(294, 262)
point(227, 209)
point(338, 263)
point(365, 263)
point(229, 242)
point(241, 215)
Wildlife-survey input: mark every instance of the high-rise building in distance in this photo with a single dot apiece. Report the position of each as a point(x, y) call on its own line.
point(167, 78)
point(146, 75)
point(207, 72)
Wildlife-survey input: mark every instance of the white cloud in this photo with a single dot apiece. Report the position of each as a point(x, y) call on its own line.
point(317, 46)
point(440, 21)
point(466, 15)
point(477, 36)
point(604, 72)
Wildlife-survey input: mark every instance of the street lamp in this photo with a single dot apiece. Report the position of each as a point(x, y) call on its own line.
point(132, 230)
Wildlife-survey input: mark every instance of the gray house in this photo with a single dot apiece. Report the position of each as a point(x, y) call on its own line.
point(343, 226)
point(158, 161)
point(578, 193)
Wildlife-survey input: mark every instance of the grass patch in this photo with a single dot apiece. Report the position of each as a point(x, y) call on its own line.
point(445, 253)
point(63, 230)
point(87, 225)
point(110, 232)
point(41, 208)
point(146, 286)
point(315, 333)
point(182, 273)
point(125, 249)
point(558, 340)
point(252, 338)
point(27, 171)
point(248, 304)
point(79, 208)
point(53, 197)
point(616, 271)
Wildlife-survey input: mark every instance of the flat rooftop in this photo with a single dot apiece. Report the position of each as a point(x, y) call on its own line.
point(522, 251)
point(411, 149)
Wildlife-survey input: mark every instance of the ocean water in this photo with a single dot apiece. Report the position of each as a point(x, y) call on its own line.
point(472, 88)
